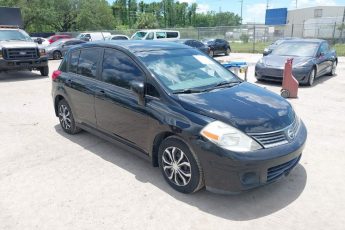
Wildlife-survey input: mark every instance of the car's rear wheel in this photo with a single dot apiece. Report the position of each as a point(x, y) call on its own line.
point(311, 77)
point(57, 55)
point(44, 71)
point(180, 168)
point(66, 118)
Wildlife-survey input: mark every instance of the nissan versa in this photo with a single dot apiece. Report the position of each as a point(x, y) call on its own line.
point(194, 119)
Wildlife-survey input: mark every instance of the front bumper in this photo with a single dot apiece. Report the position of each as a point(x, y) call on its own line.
point(23, 64)
point(276, 74)
point(230, 172)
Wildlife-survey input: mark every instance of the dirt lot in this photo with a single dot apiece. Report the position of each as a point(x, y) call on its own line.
point(50, 180)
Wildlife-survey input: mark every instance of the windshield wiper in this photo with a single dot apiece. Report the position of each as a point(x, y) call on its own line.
point(187, 91)
point(226, 84)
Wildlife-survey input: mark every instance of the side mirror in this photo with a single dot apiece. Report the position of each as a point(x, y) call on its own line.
point(321, 54)
point(139, 89)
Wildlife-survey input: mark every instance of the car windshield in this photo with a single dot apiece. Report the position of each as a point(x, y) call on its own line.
point(80, 36)
point(186, 69)
point(14, 35)
point(139, 35)
point(299, 49)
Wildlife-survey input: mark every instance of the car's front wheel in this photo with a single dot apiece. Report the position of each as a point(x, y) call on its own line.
point(66, 118)
point(57, 55)
point(227, 52)
point(311, 77)
point(180, 168)
point(334, 67)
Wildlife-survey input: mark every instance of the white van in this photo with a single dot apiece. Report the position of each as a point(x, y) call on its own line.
point(156, 34)
point(93, 36)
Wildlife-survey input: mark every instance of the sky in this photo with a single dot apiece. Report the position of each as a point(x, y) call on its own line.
point(254, 10)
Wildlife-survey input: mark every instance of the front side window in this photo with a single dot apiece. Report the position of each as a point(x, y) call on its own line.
point(119, 69)
point(139, 35)
point(184, 69)
point(88, 60)
point(324, 48)
point(150, 36)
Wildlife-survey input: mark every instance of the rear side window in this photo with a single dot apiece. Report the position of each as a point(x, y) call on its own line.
point(150, 36)
point(160, 35)
point(119, 69)
point(172, 34)
point(88, 60)
point(73, 64)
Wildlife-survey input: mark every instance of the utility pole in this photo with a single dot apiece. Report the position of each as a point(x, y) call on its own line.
point(241, 11)
point(267, 4)
point(296, 3)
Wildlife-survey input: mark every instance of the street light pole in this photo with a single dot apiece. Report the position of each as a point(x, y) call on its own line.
point(241, 11)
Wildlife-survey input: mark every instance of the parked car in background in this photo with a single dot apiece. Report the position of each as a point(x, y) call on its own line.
point(218, 46)
point(197, 121)
point(41, 41)
point(312, 58)
point(58, 49)
point(54, 38)
point(195, 44)
point(156, 34)
point(17, 50)
point(271, 47)
point(93, 36)
point(117, 37)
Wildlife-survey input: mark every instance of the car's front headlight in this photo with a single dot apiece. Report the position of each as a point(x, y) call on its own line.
point(229, 137)
point(42, 52)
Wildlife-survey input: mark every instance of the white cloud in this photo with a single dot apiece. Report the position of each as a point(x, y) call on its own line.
point(203, 8)
point(254, 13)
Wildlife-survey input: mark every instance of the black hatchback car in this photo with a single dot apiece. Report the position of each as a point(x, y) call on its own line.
point(181, 109)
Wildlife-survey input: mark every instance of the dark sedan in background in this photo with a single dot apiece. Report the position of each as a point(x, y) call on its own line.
point(218, 46)
point(59, 48)
point(195, 44)
point(312, 58)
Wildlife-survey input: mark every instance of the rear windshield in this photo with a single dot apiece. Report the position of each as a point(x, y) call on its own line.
point(14, 35)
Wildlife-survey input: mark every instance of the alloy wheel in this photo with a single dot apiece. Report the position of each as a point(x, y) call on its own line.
point(334, 67)
point(176, 166)
point(65, 117)
point(312, 77)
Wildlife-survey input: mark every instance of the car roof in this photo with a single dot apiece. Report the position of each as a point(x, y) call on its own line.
point(136, 45)
point(312, 40)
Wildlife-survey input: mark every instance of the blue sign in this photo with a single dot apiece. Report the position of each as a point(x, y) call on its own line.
point(276, 16)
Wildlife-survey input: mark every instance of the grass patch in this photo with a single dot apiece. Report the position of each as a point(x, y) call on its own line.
point(340, 48)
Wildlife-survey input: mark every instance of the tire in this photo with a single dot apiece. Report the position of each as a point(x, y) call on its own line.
point(285, 93)
point(57, 55)
point(66, 118)
point(311, 77)
point(44, 71)
point(227, 52)
point(180, 168)
point(211, 53)
point(334, 67)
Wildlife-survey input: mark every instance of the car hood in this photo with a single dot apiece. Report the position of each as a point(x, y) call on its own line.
point(17, 44)
point(279, 61)
point(247, 107)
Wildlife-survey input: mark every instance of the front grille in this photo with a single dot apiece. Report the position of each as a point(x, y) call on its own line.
point(20, 53)
point(279, 170)
point(272, 72)
point(272, 139)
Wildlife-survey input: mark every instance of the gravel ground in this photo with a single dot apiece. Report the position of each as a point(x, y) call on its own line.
point(50, 180)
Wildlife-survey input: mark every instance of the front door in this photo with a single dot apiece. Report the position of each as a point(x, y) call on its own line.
point(117, 110)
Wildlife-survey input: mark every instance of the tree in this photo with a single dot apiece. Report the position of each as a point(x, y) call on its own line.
point(146, 21)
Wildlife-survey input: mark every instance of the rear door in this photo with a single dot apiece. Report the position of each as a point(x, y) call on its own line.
point(117, 110)
point(324, 59)
point(80, 87)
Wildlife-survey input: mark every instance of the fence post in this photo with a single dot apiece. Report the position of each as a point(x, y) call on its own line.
point(198, 33)
point(254, 39)
point(333, 36)
point(303, 29)
point(292, 25)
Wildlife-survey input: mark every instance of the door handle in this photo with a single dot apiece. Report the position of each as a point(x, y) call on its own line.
point(100, 93)
point(68, 82)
